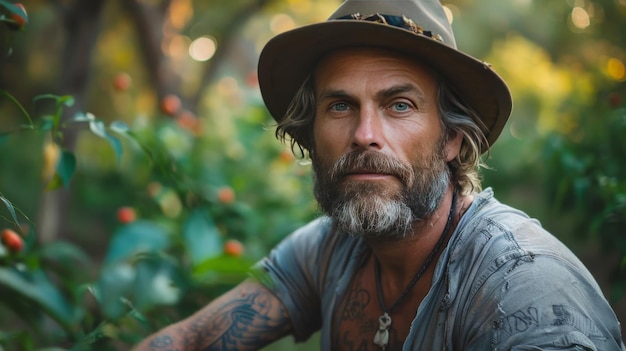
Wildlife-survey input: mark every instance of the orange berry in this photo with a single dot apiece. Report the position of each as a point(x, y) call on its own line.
point(233, 247)
point(286, 156)
point(170, 104)
point(252, 80)
point(19, 19)
point(126, 214)
point(12, 240)
point(190, 122)
point(226, 195)
point(122, 81)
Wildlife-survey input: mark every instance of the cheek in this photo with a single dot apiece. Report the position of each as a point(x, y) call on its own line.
point(329, 140)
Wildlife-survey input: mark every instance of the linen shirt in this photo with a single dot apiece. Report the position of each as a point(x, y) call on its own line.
point(502, 283)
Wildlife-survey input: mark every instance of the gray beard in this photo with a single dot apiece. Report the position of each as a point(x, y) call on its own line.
point(377, 211)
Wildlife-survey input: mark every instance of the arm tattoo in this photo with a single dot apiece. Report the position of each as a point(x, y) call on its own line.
point(163, 342)
point(247, 321)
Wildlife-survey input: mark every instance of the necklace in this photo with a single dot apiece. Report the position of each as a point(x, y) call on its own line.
point(381, 338)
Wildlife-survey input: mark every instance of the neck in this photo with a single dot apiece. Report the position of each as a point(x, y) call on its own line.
point(393, 256)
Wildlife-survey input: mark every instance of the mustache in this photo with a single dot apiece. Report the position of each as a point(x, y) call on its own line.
point(370, 162)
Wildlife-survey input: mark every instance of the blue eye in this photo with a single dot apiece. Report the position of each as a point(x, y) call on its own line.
point(340, 107)
point(401, 106)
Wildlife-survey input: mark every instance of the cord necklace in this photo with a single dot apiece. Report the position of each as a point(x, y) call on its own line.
point(381, 338)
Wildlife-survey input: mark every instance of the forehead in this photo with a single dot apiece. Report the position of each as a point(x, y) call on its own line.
point(350, 62)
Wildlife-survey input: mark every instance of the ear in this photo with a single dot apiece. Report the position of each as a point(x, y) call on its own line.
point(453, 146)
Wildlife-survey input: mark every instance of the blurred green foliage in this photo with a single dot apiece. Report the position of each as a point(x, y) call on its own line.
point(204, 168)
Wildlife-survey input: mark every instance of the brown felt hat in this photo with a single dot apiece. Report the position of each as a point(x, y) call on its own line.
point(417, 28)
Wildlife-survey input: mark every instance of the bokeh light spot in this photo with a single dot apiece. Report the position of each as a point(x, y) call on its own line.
point(203, 48)
point(616, 69)
point(281, 23)
point(580, 18)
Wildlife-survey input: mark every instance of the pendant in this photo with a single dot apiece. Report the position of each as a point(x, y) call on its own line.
point(382, 334)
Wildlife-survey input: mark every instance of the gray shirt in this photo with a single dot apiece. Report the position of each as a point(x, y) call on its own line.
point(502, 283)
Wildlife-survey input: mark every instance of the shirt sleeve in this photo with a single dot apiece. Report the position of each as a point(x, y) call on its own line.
point(293, 272)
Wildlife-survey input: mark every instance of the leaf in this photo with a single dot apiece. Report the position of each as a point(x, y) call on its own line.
point(43, 293)
point(158, 282)
point(202, 239)
point(135, 238)
point(66, 166)
point(84, 344)
point(11, 209)
point(98, 128)
point(55, 183)
point(83, 117)
point(64, 172)
point(65, 251)
point(67, 100)
point(223, 264)
point(119, 127)
point(115, 282)
point(17, 103)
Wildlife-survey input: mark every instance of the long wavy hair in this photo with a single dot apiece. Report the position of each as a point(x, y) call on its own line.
point(296, 128)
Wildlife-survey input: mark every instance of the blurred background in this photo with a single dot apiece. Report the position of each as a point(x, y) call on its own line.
point(140, 176)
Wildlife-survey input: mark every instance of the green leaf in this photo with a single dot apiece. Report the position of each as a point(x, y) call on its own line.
point(47, 123)
point(115, 282)
point(55, 183)
point(65, 251)
point(135, 238)
point(10, 207)
point(64, 172)
point(119, 127)
point(66, 166)
point(202, 239)
point(223, 264)
point(158, 282)
point(66, 100)
point(36, 287)
point(98, 128)
point(83, 117)
point(17, 103)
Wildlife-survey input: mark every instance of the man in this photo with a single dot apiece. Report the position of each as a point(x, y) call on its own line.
point(412, 254)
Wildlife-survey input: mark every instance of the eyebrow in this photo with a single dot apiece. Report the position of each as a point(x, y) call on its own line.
point(334, 94)
point(401, 89)
point(381, 95)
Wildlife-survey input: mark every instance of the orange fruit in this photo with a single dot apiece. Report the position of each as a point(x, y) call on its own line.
point(233, 248)
point(226, 195)
point(19, 19)
point(170, 104)
point(121, 82)
point(126, 214)
point(12, 240)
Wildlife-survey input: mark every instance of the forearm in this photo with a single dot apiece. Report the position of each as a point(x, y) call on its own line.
point(172, 338)
point(246, 318)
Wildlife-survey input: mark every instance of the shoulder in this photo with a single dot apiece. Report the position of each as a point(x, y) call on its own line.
point(519, 281)
point(301, 270)
point(493, 233)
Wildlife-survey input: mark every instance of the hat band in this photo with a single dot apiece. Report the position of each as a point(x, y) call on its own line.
point(396, 21)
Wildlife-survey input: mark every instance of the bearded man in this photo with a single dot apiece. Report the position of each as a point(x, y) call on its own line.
point(412, 254)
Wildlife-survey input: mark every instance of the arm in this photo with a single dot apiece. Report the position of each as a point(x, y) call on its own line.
point(247, 317)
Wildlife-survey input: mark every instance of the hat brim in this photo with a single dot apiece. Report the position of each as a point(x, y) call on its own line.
point(290, 57)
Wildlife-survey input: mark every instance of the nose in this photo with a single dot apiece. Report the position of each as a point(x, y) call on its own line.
point(368, 130)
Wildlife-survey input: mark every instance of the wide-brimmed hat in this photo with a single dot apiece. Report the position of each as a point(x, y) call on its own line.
point(417, 28)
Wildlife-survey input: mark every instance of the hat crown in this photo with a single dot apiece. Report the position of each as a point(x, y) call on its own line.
point(427, 14)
